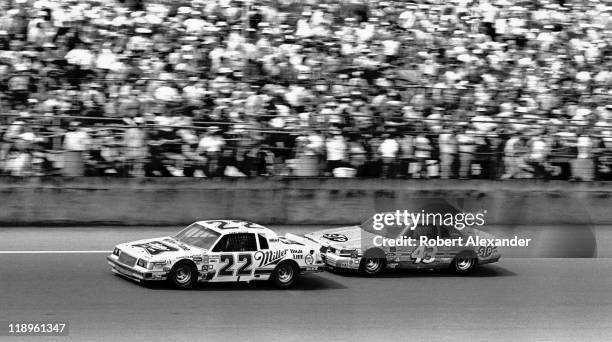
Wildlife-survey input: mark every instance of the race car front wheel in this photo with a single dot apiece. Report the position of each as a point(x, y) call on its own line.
point(372, 266)
point(183, 275)
point(284, 275)
point(463, 264)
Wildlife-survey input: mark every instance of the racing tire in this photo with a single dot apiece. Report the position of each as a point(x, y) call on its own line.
point(463, 264)
point(284, 275)
point(183, 275)
point(371, 266)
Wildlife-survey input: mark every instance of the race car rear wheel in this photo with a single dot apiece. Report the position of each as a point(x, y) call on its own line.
point(183, 275)
point(463, 264)
point(372, 266)
point(284, 275)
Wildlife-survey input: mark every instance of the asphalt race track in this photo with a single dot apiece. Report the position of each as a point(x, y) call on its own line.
point(518, 299)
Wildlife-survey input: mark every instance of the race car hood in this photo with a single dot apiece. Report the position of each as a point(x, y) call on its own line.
point(340, 238)
point(159, 249)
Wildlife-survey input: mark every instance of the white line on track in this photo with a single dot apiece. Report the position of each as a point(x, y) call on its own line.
point(52, 252)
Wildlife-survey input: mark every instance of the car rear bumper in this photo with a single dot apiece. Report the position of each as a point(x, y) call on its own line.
point(133, 272)
point(312, 269)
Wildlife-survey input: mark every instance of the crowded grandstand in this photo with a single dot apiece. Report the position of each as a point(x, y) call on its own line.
point(496, 89)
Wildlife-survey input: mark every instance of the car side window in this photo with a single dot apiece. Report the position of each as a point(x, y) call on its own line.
point(263, 242)
point(243, 242)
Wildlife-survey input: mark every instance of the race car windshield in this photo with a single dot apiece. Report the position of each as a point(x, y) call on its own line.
point(198, 236)
point(378, 226)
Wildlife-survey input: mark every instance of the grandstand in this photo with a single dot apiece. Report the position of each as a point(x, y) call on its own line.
point(376, 89)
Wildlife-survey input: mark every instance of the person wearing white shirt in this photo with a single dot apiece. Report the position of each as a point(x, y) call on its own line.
point(583, 165)
point(314, 145)
point(512, 156)
point(303, 28)
point(106, 59)
point(76, 143)
point(210, 145)
point(336, 150)
point(390, 48)
point(539, 150)
point(407, 19)
point(538, 155)
point(388, 150)
point(76, 140)
point(80, 56)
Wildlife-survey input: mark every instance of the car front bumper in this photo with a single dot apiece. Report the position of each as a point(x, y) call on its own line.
point(336, 261)
point(135, 272)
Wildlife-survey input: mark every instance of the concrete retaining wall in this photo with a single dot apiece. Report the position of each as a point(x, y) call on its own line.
point(156, 201)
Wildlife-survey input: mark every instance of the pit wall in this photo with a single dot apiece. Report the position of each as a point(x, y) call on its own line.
point(170, 201)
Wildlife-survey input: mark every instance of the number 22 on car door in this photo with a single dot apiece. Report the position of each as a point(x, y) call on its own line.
point(235, 254)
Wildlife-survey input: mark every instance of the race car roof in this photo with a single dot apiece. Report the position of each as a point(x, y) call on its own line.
point(225, 226)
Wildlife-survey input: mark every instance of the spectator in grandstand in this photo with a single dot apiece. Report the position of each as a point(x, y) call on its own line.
point(583, 165)
point(336, 150)
point(210, 146)
point(357, 154)
point(134, 140)
point(448, 151)
point(604, 159)
point(19, 150)
point(388, 149)
point(194, 162)
point(422, 154)
point(76, 146)
point(309, 153)
point(538, 156)
point(513, 153)
point(466, 144)
point(406, 154)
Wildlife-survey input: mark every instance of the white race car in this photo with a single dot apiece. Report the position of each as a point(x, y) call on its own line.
point(218, 251)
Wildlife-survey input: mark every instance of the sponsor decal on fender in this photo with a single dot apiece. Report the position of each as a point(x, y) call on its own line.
point(336, 237)
point(486, 251)
point(270, 258)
